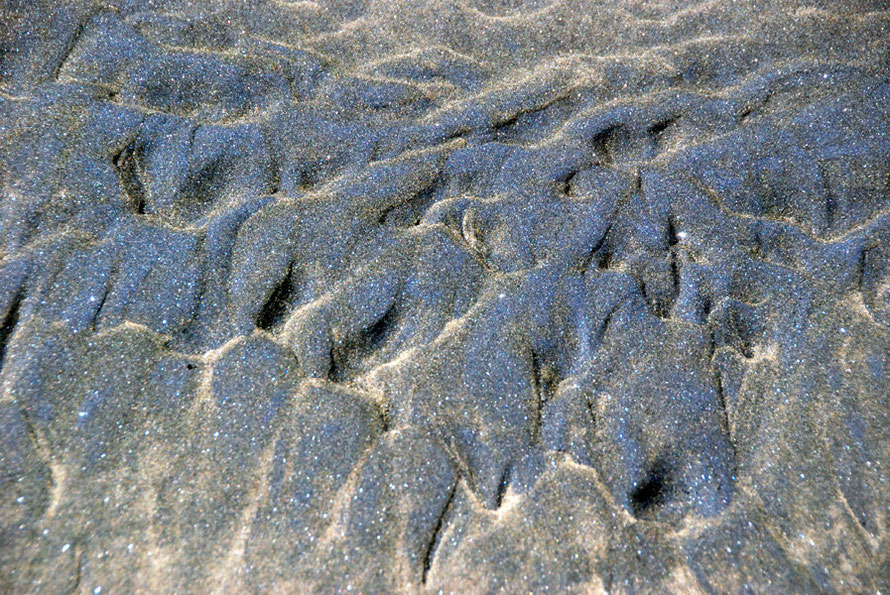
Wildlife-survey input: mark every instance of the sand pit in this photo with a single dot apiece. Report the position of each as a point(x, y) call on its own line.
point(447, 296)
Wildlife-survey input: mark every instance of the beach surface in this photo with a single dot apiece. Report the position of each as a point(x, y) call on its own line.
point(448, 296)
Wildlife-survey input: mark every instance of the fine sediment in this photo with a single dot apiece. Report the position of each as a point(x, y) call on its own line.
point(451, 295)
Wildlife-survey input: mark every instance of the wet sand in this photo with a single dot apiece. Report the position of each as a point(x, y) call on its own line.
point(454, 296)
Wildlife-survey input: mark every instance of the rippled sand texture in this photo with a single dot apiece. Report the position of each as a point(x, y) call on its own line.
point(451, 295)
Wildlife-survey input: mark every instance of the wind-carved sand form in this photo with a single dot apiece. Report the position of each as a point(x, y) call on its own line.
point(455, 296)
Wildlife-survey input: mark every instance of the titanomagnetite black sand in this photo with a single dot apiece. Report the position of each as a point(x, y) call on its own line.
point(450, 295)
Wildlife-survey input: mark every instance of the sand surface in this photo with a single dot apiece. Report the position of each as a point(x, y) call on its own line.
point(456, 295)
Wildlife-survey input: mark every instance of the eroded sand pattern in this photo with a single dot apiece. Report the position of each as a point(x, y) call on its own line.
point(448, 295)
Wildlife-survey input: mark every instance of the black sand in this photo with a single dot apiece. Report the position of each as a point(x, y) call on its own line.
point(450, 295)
